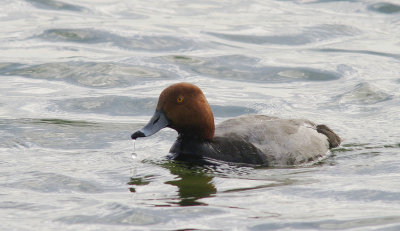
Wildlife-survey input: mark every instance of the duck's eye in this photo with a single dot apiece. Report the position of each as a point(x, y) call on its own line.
point(179, 99)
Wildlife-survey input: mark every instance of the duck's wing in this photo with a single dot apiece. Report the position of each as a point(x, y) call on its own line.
point(283, 141)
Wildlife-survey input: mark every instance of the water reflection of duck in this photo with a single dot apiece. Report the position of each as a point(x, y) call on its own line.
point(192, 183)
point(249, 139)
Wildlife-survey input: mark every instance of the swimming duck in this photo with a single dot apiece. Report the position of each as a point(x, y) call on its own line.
point(249, 139)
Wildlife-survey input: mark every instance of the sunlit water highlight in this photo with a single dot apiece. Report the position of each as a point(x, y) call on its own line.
point(78, 77)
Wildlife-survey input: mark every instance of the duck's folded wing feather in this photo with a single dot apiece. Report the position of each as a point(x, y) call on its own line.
point(283, 141)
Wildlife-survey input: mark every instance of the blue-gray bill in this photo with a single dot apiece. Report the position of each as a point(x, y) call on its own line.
point(156, 123)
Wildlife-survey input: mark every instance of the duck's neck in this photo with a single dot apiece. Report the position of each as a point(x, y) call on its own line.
point(206, 127)
point(200, 126)
point(193, 136)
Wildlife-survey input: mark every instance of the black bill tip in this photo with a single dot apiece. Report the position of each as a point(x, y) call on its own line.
point(137, 134)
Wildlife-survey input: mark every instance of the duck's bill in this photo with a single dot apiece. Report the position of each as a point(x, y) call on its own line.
point(156, 123)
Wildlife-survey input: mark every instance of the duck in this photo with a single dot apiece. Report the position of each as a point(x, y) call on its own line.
point(259, 140)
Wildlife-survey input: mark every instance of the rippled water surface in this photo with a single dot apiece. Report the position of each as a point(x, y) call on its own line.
point(78, 77)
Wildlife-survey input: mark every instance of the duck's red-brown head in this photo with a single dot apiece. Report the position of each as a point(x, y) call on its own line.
point(183, 107)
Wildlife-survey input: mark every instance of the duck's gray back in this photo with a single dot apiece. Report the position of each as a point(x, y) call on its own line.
point(283, 141)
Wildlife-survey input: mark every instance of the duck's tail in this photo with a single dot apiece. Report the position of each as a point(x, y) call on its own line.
point(333, 138)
